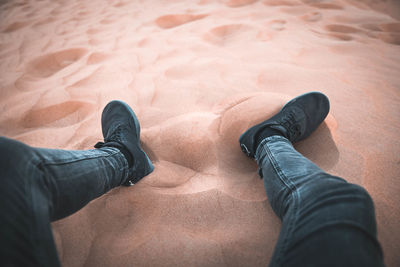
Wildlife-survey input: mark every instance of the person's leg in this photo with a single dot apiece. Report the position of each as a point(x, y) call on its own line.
point(325, 220)
point(42, 185)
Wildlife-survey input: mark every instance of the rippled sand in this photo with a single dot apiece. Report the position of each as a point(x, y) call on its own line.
point(198, 73)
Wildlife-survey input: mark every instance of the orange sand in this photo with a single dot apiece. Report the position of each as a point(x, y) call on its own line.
point(198, 73)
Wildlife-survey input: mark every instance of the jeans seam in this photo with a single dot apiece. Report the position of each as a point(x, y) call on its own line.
point(124, 166)
point(40, 165)
point(293, 193)
point(70, 160)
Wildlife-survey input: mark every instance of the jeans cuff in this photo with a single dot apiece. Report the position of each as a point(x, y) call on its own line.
point(267, 140)
point(260, 151)
point(124, 167)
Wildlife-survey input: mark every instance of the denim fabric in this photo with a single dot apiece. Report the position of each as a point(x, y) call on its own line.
point(42, 185)
point(325, 220)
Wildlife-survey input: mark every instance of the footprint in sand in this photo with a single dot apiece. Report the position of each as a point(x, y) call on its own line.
point(226, 34)
point(390, 33)
point(277, 25)
point(171, 21)
point(326, 6)
point(59, 115)
point(341, 32)
point(390, 38)
point(281, 2)
point(390, 27)
point(312, 17)
point(322, 5)
point(44, 22)
point(15, 26)
point(121, 4)
point(47, 65)
point(239, 3)
point(386, 32)
point(371, 27)
point(340, 36)
point(341, 28)
point(96, 58)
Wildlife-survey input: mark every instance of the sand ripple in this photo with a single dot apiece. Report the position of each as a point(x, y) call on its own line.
point(197, 76)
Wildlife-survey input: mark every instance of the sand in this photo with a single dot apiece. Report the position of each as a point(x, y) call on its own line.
point(198, 73)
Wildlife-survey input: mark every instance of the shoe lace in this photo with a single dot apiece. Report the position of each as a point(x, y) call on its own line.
point(114, 137)
point(292, 127)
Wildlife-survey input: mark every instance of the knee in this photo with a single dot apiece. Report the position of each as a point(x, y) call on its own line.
point(329, 186)
point(346, 202)
point(339, 191)
point(359, 196)
point(352, 193)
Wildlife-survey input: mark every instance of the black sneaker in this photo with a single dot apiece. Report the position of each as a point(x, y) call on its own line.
point(297, 120)
point(121, 130)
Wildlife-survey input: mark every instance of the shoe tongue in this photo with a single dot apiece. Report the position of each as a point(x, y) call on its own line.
point(280, 128)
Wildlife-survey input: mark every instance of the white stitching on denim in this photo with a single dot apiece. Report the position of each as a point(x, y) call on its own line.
point(71, 160)
point(294, 193)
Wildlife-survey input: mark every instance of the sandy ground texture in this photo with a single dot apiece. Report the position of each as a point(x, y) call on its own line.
point(198, 73)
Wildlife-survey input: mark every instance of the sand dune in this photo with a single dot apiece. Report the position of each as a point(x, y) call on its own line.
point(198, 73)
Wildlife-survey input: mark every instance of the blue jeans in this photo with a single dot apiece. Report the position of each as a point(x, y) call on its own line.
point(325, 220)
point(38, 186)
